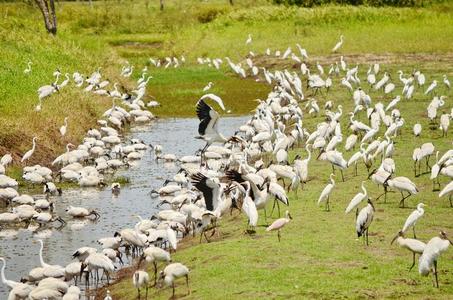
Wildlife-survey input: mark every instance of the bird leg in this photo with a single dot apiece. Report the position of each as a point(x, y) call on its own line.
point(327, 204)
point(404, 198)
point(415, 168)
point(278, 235)
point(342, 177)
point(146, 291)
point(187, 282)
point(449, 198)
point(155, 273)
point(138, 293)
point(366, 236)
point(428, 168)
point(413, 261)
point(435, 274)
point(413, 229)
point(173, 286)
point(355, 170)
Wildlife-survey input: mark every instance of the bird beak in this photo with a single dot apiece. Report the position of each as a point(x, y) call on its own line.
point(396, 236)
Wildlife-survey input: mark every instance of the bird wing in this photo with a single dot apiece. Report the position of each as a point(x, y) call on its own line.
point(236, 176)
point(200, 182)
point(215, 98)
point(208, 117)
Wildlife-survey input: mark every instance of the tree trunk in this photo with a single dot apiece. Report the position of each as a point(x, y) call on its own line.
point(54, 17)
point(161, 5)
point(50, 18)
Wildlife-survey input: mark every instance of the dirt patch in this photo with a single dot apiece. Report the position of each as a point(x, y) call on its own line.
point(139, 45)
point(386, 58)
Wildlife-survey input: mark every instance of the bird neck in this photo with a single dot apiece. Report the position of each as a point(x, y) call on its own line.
point(41, 260)
point(3, 272)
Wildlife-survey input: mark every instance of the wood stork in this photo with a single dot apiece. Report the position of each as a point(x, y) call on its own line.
point(208, 127)
point(249, 207)
point(403, 184)
point(155, 255)
point(172, 272)
point(81, 212)
point(413, 245)
point(325, 194)
point(279, 224)
point(413, 218)
point(428, 260)
point(94, 262)
point(364, 219)
point(209, 188)
point(141, 279)
point(30, 152)
point(447, 190)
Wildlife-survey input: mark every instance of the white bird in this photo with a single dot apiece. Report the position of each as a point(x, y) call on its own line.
point(28, 69)
point(249, 207)
point(428, 261)
point(10, 283)
point(81, 212)
point(403, 184)
point(30, 152)
point(447, 82)
point(279, 224)
point(364, 219)
point(64, 127)
point(447, 190)
point(338, 45)
point(141, 279)
point(325, 194)
point(208, 87)
point(413, 218)
point(108, 297)
point(413, 245)
point(54, 271)
point(155, 254)
point(431, 87)
point(172, 272)
point(444, 124)
point(417, 129)
point(359, 197)
point(249, 39)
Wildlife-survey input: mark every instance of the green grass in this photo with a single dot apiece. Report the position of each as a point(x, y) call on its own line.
point(320, 256)
point(108, 33)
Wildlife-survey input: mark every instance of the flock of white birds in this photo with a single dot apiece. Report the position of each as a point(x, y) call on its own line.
point(248, 171)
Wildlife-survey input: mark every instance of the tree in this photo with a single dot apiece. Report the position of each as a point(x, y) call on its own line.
point(47, 8)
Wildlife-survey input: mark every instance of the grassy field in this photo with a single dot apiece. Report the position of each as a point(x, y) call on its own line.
point(108, 33)
point(319, 256)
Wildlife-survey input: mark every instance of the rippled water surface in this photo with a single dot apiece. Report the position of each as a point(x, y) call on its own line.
point(19, 247)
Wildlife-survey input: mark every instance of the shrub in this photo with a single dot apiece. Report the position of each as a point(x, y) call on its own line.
point(310, 3)
point(209, 14)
